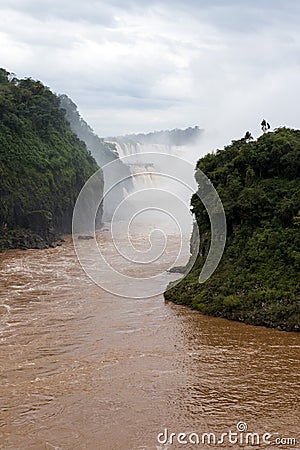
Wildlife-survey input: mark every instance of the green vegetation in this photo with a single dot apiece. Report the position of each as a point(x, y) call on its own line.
point(104, 153)
point(257, 281)
point(43, 165)
point(177, 137)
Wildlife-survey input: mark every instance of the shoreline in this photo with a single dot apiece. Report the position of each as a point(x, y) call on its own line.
point(26, 239)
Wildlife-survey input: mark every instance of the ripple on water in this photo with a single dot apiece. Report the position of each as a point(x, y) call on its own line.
point(81, 369)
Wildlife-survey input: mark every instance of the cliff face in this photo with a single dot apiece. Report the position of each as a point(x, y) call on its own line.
point(257, 280)
point(43, 165)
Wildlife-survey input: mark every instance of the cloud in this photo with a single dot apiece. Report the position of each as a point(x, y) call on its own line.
point(137, 66)
point(92, 11)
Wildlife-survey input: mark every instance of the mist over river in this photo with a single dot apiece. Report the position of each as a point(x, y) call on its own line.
point(84, 369)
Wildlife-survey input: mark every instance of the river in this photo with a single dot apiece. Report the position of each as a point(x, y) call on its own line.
point(83, 369)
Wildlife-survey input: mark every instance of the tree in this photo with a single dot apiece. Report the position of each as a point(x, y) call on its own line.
point(265, 126)
point(248, 136)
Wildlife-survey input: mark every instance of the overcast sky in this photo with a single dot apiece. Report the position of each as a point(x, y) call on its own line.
point(138, 66)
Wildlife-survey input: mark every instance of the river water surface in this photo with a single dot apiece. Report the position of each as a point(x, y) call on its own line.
point(83, 369)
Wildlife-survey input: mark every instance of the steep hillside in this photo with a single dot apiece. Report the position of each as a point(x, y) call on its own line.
point(43, 165)
point(104, 153)
point(257, 280)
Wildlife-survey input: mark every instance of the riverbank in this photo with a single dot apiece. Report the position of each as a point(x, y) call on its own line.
point(259, 307)
point(24, 239)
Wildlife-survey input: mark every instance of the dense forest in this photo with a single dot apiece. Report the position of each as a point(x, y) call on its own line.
point(43, 165)
point(257, 281)
point(102, 151)
point(177, 137)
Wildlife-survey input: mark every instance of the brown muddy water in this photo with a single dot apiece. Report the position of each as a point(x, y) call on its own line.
point(83, 369)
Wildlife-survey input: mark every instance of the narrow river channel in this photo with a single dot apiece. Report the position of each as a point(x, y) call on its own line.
point(84, 369)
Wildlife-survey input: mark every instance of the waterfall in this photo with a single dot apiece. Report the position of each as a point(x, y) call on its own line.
point(143, 175)
point(161, 167)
